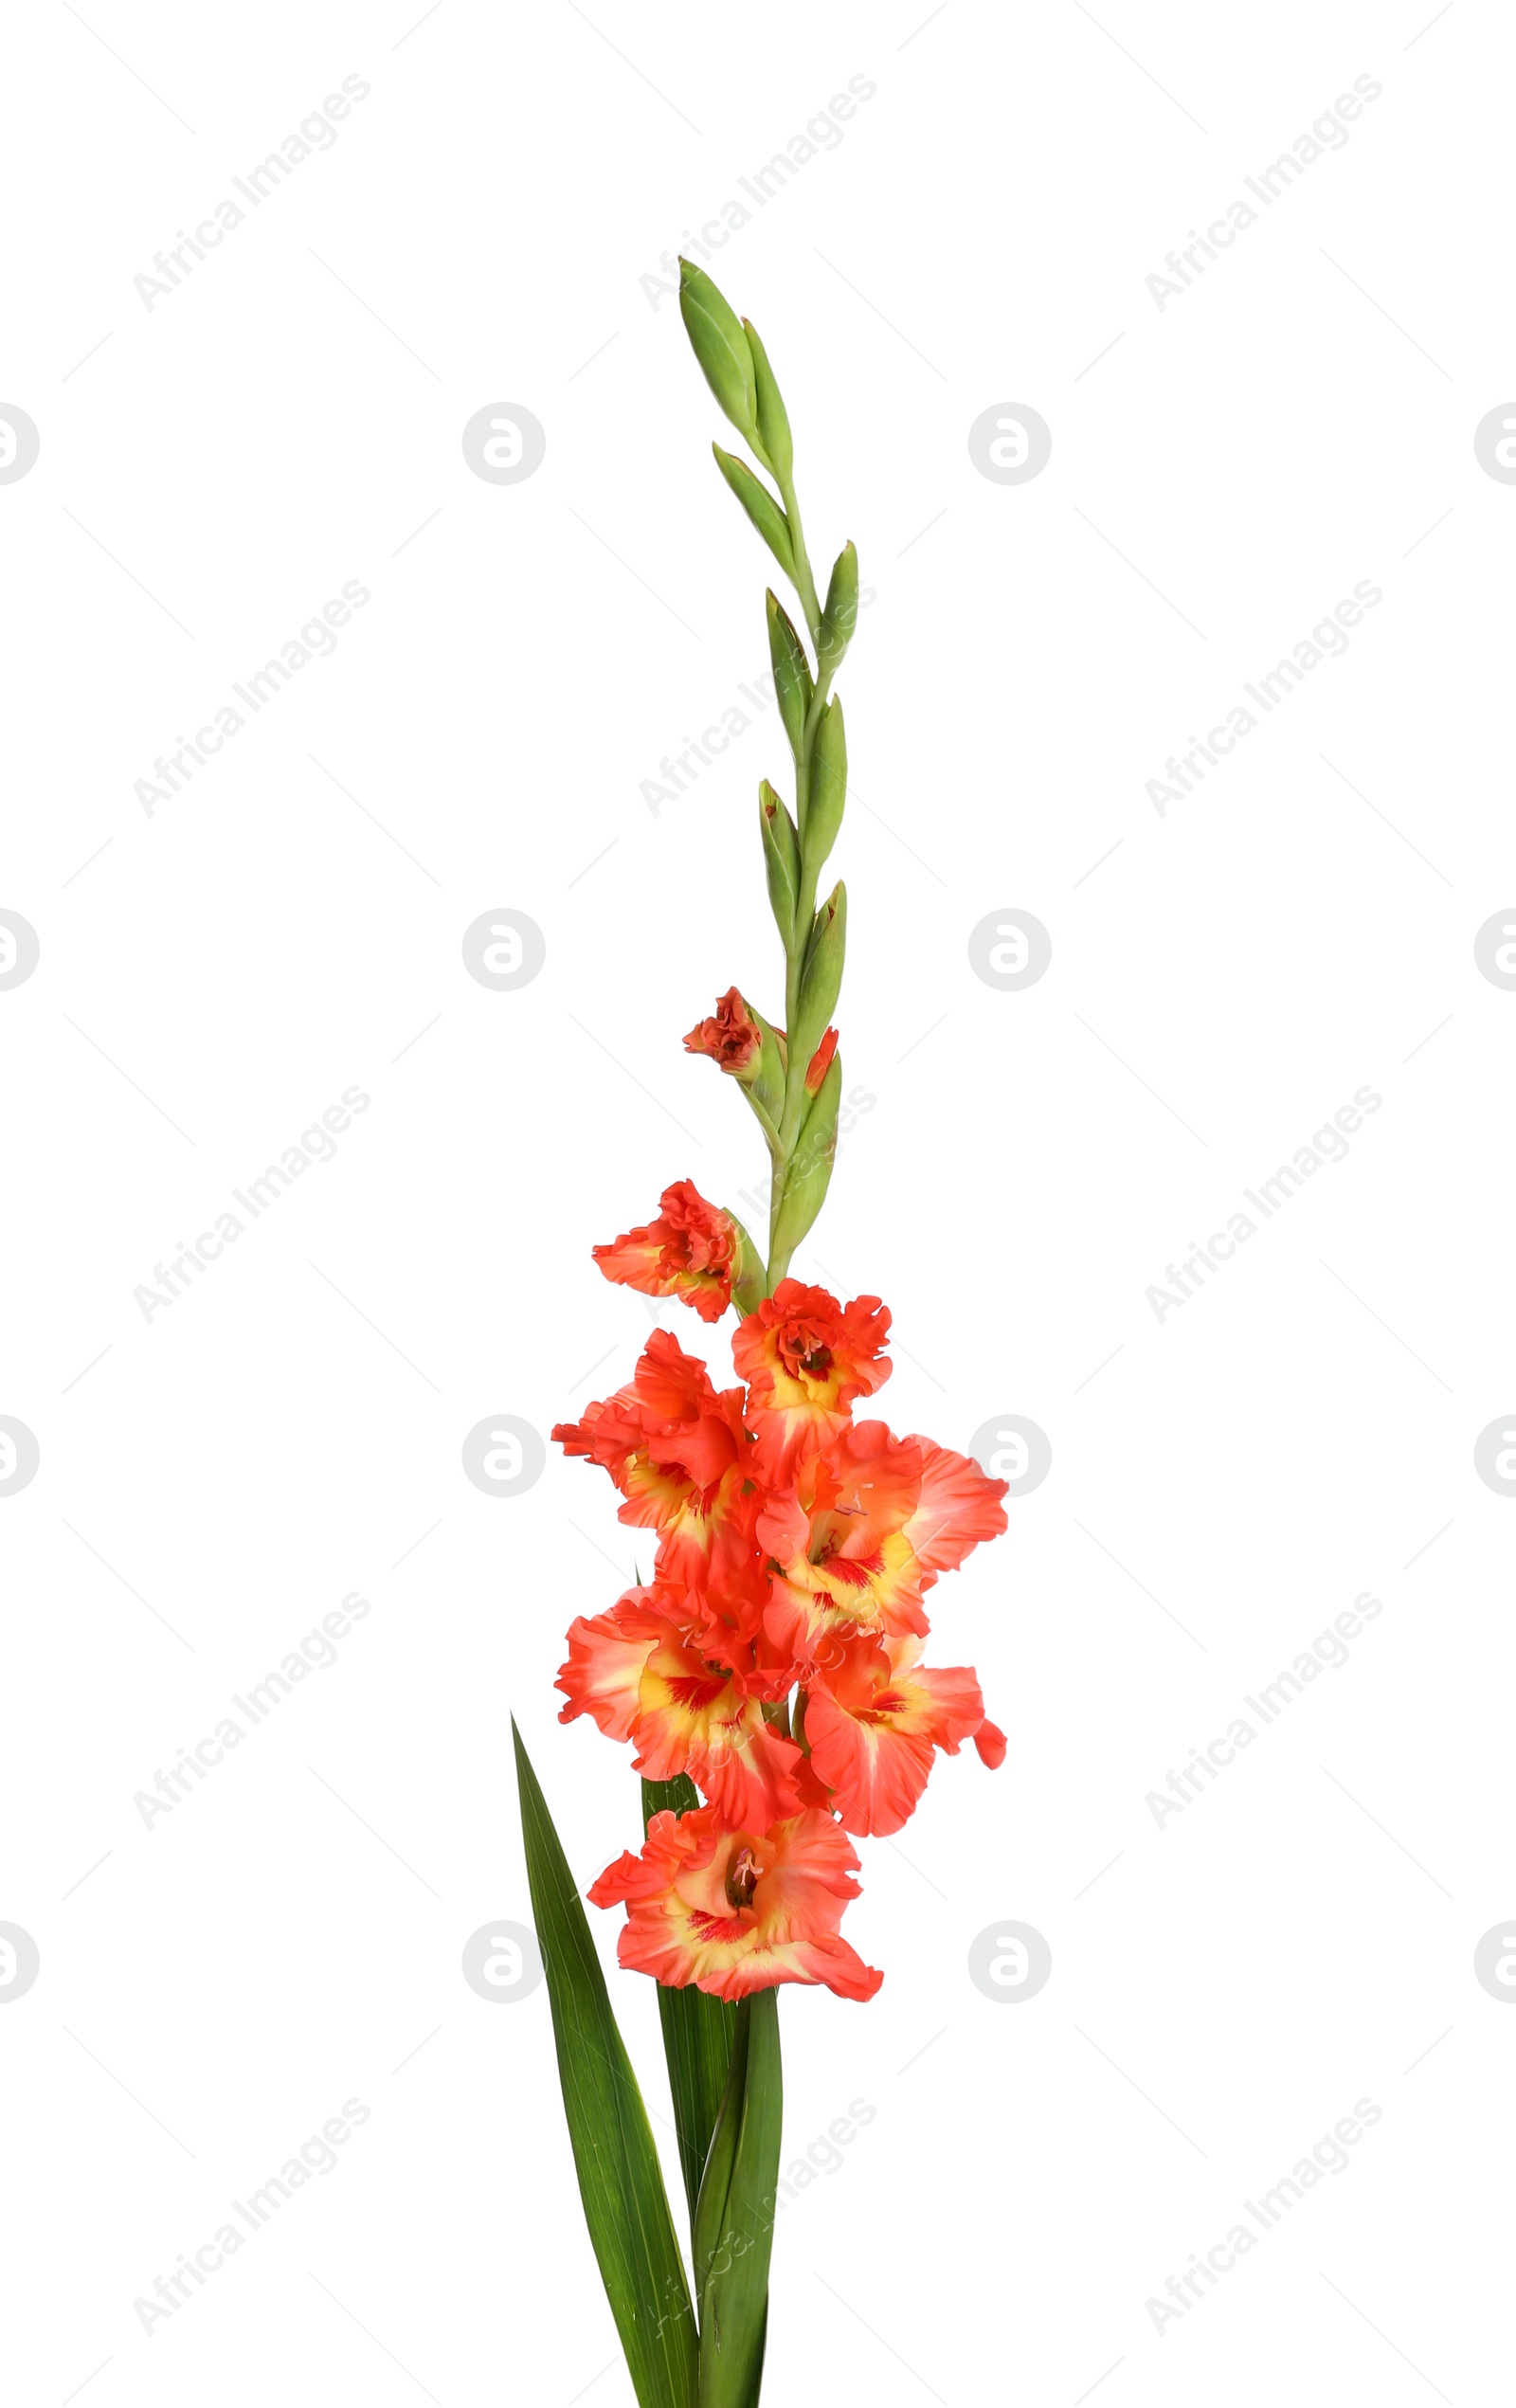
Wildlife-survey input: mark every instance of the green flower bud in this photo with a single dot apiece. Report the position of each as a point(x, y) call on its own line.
point(841, 615)
point(773, 425)
point(781, 857)
point(820, 981)
point(792, 675)
point(761, 507)
point(823, 812)
point(720, 346)
point(810, 1166)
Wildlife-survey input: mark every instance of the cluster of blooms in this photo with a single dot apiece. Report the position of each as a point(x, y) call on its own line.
point(794, 1547)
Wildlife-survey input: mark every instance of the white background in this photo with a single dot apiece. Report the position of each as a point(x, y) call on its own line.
point(1224, 1482)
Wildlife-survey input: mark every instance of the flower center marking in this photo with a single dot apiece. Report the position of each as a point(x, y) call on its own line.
point(741, 1878)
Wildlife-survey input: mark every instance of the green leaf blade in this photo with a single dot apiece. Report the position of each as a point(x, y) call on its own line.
point(621, 2182)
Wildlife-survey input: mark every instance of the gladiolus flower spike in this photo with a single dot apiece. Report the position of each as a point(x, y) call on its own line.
point(768, 1673)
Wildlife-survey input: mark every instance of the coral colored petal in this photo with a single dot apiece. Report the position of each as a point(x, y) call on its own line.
point(876, 1774)
point(990, 1741)
point(623, 1879)
point(948, 1700)
point(842, 1969)
point(606, 1658)
point(784, 1526)
point(959, 1508)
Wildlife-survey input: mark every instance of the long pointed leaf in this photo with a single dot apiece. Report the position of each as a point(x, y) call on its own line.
point(698, 2030)
point(734, 2293)
point(619, 2180)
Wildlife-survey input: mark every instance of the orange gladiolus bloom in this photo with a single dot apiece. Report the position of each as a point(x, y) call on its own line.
point(639, 1672)
point(731, 1038)
point(805, 1358)
point(690, 1251)
point(680, 1455)
point(737, 1910)
point(874, 1716)
point(869, 1525)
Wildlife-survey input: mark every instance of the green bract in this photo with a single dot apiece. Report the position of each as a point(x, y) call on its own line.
point(841, 615)
point(792, 675)
point(773, 425)
point(820, 978)
point(765, 1089)
point(781, 857)
point(761, 507)
point(823, 816)
point(810, 1166)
